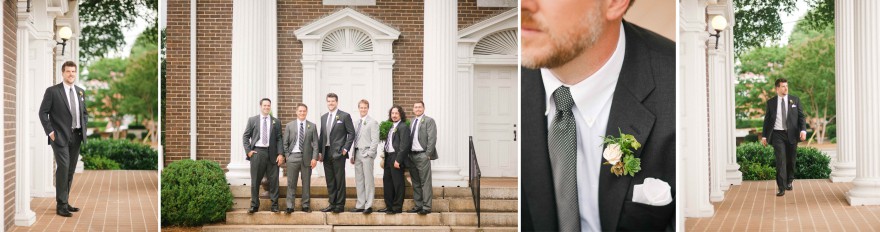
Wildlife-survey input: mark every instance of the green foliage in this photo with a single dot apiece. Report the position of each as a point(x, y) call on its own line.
point(750, 138)
point(809, 68)
point(194, 193)
point(103, 23)
point(139, 87)
point(629, 164)
point(97, 124)
point(752, 93)
point(758, 162)
point(99, 163)
point(749, 123)
point(764, 24)
point(129, 155)
point(384, 127)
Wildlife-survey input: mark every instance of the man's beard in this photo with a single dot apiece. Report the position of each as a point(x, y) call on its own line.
point(567, 44)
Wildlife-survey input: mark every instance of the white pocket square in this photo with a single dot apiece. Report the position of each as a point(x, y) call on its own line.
point(652, 192)
point(793, 106)
point(338, 121)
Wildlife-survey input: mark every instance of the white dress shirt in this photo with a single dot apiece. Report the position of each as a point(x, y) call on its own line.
point(416, 146)
point(391, 137)
point(331, 120)
point(75, 105)
point(780, 106)
point(592, 104)
point(264, 119)
point(299, 124)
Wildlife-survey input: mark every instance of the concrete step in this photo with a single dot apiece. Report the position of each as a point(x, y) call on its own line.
point(240, 217)
point(508, 193)
point(295, 228)
point(438, 205)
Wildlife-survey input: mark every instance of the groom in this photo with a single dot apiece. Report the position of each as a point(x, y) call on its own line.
point(783, 121)
point(585, 78)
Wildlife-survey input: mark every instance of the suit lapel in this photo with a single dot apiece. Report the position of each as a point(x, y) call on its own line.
point(628, 115)
point(64, 97)
point(541, 204)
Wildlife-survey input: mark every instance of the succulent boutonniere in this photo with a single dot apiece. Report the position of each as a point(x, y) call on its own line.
point(790, 102)
point(80, 93)
point(620, 154)
point(337, 117)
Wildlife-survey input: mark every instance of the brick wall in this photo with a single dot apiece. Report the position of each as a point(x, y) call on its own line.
point(9, 70)
point(214, 61)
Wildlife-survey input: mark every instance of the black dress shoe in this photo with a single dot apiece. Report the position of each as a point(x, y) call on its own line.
point(337, 210)
point(72, 209)
point(288, 210)
point(368, 210)
point(391, 212)
point(328, 209)
point(275, 209)
point(357, 210)
point(252, 210)
point(63, 212)
point(788, 187)
point(306, 209)
point(780, 193)
point(424, 212)
point(383, 210)
point(414, 210)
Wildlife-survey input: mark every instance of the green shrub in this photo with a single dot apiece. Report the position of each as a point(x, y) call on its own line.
point(194, 193)
point(758, 162)
point(384, 127)
point(831, 131)
point(750, 138)
point(130, 136)
point(129, 155)
point(749, 123)
point(99, 163)
point(95, 135)
point(97, 124)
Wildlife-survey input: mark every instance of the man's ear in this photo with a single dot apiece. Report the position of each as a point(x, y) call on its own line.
point(615, 9)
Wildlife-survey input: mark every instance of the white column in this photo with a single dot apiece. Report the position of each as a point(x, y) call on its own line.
point(692, 104)
point(845, 166)
point(24, 216)
point(734, 176)
point(40, 72)
point(443, 93)
point(254, 74)
point(717, 126)
point(866, 185)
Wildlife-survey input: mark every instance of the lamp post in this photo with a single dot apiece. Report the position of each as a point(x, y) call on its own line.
point(719, 23)
point(64, 34)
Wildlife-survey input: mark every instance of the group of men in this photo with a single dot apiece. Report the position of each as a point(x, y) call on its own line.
point(300, 145)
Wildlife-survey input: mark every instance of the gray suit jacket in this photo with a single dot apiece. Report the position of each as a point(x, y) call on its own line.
point(427, 135)
point(310, 140)
point(252, 134)
point(55, 114)
point(341, 135)
point(367, 137)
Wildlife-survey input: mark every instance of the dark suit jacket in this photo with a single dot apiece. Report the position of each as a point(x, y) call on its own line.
point(643, 105)
point(402, 143)
point(310, 143)
point(252, 134)
point(795, 121)
point(340, 138)
point(55, 114)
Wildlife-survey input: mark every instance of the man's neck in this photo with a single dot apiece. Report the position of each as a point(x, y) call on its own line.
point(68, 84)
point(264, 115)
point(591, 59)
point(301, 119)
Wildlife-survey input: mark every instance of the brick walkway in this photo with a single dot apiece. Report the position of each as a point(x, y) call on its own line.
point(123, 200)
point(813, 205)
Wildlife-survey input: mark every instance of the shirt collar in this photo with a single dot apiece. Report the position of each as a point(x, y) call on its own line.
point(299, 121)
point(67, 87)
point(591, 94)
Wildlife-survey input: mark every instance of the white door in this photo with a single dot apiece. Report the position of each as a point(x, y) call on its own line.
point(351, 81)
point(495, 103)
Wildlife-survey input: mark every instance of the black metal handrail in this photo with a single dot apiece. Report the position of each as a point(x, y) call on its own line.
point(474, 178)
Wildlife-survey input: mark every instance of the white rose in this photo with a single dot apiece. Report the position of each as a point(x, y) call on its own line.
point(652, 192)
point(612, 153)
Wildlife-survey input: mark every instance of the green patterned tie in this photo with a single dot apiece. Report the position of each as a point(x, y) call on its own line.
point(562, 141)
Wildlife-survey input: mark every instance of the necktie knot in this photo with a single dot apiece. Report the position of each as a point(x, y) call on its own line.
point(563, 99)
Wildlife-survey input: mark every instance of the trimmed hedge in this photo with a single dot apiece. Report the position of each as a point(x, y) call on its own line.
point(99, 163)
point(127, 154)
point(194, 193)
point(758, 162)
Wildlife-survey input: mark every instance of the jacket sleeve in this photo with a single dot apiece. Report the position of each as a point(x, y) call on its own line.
point(314, 143)
point(802, 125)
point(278, 136)
point(285, 141)
point(246, 138)
point(374, 138)
point(45, 107)
point(431, 129)
point(349, 133)
point(767, 126)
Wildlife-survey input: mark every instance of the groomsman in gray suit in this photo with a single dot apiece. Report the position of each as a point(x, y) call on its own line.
point(336, 137)
point(63, 115)
point(262, 138)
point(365, 141)
point(301, 148)
point(424, 149)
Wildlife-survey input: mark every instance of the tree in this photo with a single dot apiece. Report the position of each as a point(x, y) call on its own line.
point(104, 101)
point(140, 89)
point(103, 23)
point(753, 89)
point(809, 68)
point(763, 22)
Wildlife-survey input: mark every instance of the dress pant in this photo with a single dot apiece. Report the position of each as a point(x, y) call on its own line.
point(392, 180)
point(296, 166)
point(786, 154)
point(65, 162)
point(364, 181)
point(420, 174)
point(263, 165)
point(334, 170)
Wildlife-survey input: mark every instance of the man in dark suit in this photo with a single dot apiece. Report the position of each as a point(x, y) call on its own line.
point(582, 80)
point(397, 148)
point(785, 126)
point(63, 115)
point(301, 149)
point(337, 134)
point(262, 145)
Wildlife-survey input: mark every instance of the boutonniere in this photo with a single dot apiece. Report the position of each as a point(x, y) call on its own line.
point(337, 117)
point(80, 93)
point(308, 126)
point(790, 101)
point(393, 130)
point(620, 154)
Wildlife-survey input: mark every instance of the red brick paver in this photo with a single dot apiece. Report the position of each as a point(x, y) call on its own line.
point(122, 200)
point(813, 205)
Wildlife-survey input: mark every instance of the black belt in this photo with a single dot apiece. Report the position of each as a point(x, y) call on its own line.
point(783, 131)
point(261, 148)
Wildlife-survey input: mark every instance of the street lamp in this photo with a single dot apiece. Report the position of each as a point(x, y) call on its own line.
point(64, 34)
point(719, 23)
